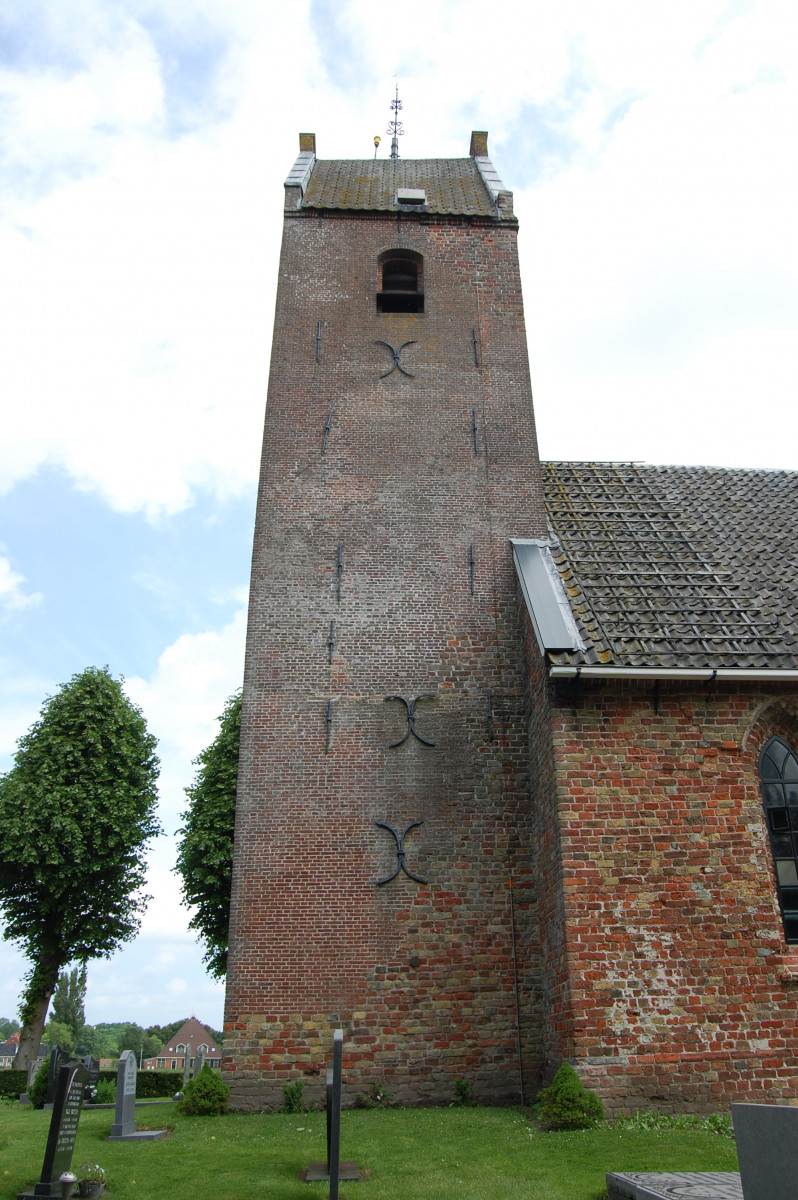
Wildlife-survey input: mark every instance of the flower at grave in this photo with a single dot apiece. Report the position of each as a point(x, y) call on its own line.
point(91, 1173)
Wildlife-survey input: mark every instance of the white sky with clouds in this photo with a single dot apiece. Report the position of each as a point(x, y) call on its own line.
point(651, 148)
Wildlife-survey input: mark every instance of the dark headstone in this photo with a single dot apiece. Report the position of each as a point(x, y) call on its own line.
point(58, 1059)
point(124, 1126)
point(767, 1150)
point(333, 1169)
point(92, 1066)
point(67, 1103)
point(199, 1061)
point(187, 1067)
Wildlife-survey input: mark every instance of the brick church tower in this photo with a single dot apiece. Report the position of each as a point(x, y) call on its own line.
point(383, 868)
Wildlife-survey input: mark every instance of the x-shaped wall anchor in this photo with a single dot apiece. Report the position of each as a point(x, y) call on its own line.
point(400, 852)
point(410, 705)
point(397, 366)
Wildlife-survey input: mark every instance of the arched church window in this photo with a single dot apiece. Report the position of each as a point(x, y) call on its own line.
point(400, 282)
point(778, 776)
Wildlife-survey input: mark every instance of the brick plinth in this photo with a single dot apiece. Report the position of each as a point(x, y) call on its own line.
point(420, 975)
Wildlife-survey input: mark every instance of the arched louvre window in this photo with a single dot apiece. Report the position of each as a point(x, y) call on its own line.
point(400, 282)
point(778, 775)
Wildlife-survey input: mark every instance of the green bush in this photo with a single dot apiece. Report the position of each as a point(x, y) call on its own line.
point(566, 1104)
point(205, 1095)
point(13, 1083)
point(37, 1092)
point(152, 1085)
point(292, 1097)
point(462, 1094)
point(106, 1092)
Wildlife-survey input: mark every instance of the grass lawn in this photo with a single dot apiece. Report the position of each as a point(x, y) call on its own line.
point(412, 1154)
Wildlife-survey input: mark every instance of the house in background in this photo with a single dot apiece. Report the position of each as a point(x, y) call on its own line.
point(8, 1051)
point(189, 1039)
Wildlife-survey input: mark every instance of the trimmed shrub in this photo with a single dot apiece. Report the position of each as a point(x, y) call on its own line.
point(566, 1103)
point(13, 1083)
point(205, 1095)
point(37, 1092)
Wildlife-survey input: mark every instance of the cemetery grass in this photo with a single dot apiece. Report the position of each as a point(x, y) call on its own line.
point(427, 1154)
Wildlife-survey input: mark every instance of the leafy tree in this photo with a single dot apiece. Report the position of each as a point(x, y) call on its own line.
point(76, 811)
point(69, 998)
point(205, 855)
point(7, 1027)
point(96, 1042)
point(56, 1033)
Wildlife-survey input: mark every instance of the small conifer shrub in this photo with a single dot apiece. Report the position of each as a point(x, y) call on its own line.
point(205, 1095)
point(463, 1097)
point(292, 1097)
point(566, 1103)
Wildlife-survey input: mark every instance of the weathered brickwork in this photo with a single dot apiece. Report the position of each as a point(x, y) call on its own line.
point(668, 978)
point(421, 976)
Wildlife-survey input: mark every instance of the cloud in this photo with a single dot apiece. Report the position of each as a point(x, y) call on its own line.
point(12, 595)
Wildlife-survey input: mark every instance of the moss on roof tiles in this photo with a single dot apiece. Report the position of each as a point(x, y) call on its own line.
point(453, 185)
point(677, 566)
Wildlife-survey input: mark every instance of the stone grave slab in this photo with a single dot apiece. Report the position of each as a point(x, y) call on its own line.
point(766, 1136)
point(67, 1103)
point(124, 1126)
point(674, 1185)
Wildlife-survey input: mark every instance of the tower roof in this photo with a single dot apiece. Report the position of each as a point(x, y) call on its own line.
point(443, 186)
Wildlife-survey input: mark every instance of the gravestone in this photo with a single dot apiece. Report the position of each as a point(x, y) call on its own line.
point(766, 1136)
point(199, 1061)
point(124, 1126)
point(674, 1185)
point(333, 1169)
point(67, 1103)
point(58, 1059)
point(92, 1066)
point(187, 1067)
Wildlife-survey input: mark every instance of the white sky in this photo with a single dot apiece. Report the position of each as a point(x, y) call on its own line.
point(651, 148)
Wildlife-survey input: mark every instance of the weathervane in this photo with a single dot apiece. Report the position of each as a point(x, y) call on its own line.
point(395, 127)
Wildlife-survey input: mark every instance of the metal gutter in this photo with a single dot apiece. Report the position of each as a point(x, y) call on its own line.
point(740, 673)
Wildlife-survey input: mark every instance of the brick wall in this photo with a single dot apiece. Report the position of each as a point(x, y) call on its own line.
point(670, 983)
point(420, 976)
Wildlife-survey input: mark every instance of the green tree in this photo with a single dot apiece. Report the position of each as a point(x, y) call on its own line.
point(96, 1042)
point(56, 1033)
point(76, 811)
point(7, 1027)
point(69, 998)
point(205, 854)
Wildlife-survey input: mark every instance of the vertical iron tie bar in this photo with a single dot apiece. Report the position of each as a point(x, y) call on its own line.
point(327, 430)
point(339, 569)
point(329, 727)
point(476, 347)
point(471, 566)
point(318, 341)
point(474, 430)
point(331, 641)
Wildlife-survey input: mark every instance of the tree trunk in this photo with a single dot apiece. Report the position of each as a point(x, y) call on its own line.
point(33, 1010)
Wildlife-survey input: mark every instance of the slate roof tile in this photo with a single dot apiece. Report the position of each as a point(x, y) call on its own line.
point(453, 185)
point(677, 566)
